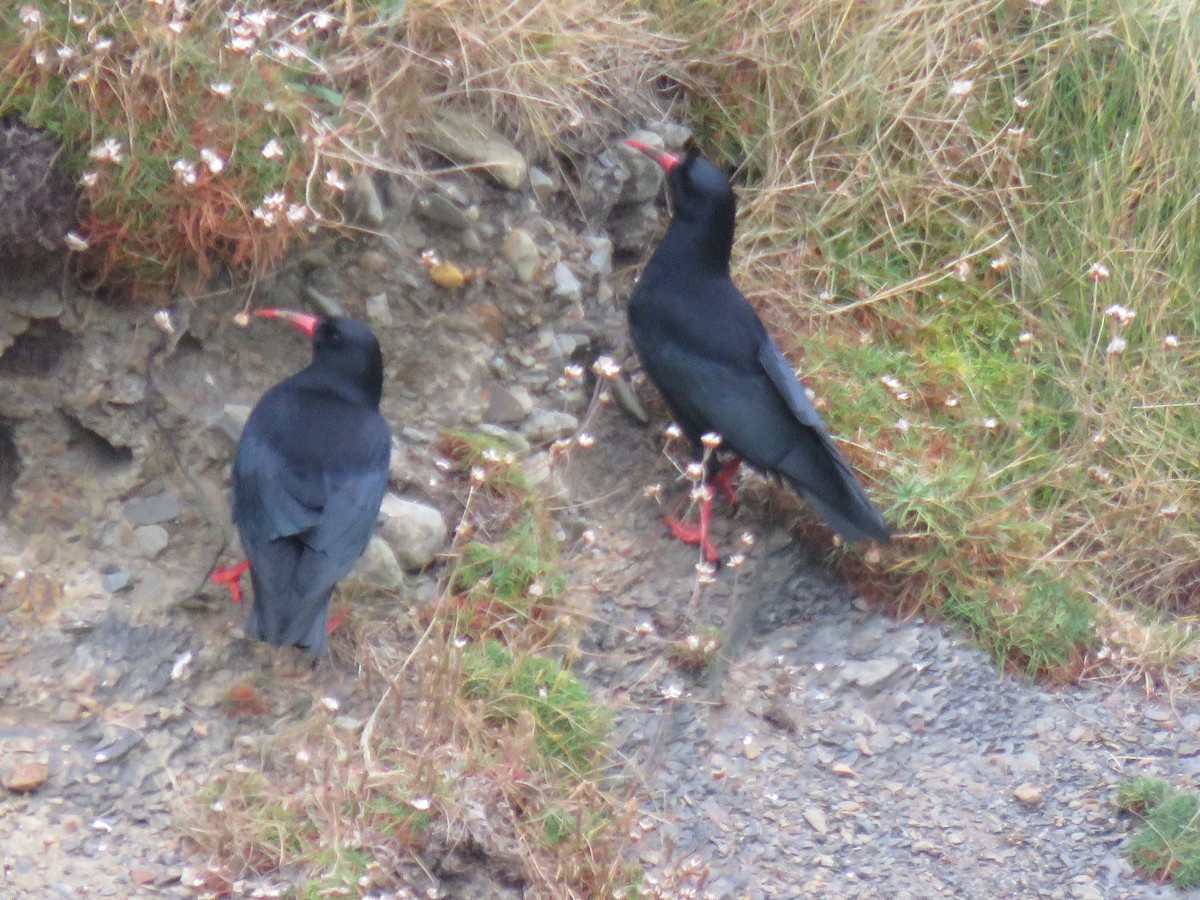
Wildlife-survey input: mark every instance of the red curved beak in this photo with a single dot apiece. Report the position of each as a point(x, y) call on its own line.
point(666, 161)
point(303, 322)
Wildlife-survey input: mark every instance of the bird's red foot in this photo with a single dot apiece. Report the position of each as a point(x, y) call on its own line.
point(695, 534)
point(722, 481)
point(230, 576)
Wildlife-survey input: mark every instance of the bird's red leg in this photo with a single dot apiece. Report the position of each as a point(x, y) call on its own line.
point(335, 619)
point(230, 576)
point(723, 480)
point(693, 534)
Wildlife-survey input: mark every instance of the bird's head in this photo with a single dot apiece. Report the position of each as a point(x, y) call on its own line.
point(343, 348)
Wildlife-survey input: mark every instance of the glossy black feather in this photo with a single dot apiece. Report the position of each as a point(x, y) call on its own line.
point(308, 480)
point(706, 350)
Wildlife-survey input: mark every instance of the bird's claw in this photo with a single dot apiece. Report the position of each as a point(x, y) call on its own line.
point(230, 576)
point(722, 481)
point(695, 535)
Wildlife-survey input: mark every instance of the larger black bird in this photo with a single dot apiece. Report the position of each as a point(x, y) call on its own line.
point(309, 478)
point(706, 350)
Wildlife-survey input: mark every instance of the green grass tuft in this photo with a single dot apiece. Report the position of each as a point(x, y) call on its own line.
point(1167, 845)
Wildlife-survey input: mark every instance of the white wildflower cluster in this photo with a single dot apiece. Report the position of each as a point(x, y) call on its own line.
point(276, 210)
point(893, 384)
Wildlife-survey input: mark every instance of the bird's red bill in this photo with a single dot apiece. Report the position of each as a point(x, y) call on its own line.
point(666, 161)
point(304, 322)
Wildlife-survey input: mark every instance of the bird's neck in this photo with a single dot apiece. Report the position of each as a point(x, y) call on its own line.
point(698, 245)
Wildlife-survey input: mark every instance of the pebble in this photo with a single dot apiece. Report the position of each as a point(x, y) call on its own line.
point(871, 674)
point(24, 776)
point(441, 210)
point(379, 312)
point(151, 540)
point(507, 404)
point(154, 510)
point(1028, 794)
point(116, 580)
point(542, 183)
point(600, 259)
point(415, 532)
point(547, 425)
point(520, 251)
point(364, 199)
point(467, 140)
point(378, 566)
point(566, 285)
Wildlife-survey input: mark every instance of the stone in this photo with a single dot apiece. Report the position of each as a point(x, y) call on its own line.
point(872, 673)
point(566, 285)
point(117, 580)
point(543, 184)
point(415, 532)
point(379, 313)
point(1028, 794)
point(506, 404)
point(378, 565)
point(24, 776)
point(365, 201)
point(600, 259)
point(151, 540)
point(439, 209)
point(546, 425)
point(520, 251)
point(467, 141)
point(154, 510)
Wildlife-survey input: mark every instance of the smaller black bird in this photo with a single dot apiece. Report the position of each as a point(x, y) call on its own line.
point(308, 480)
point(707, 351)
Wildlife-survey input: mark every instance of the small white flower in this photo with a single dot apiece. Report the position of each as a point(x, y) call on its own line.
point(702, 493)
point(950, 402)
point(692, 641)
point(585, 440)
point(990, 423)
point(644, 629)
point(478, 474)
point(672, 691)
point(322, 20)
point(39, 57)
point(1099, 438)
point(421, 803)
point(1025, 337)
point(652, 491)
point(1021, 102)
point(1170, 342)
point(108, 150)
point(213, 159)
point(736, 561)
point(606, 367)
point(1116, 346)
point(903, 425)
point(89, 179)
point(75, 242)
point(694, 471)
point(334, 180)
point(221, 88)
point(65, 53)
point(1120, 314)
point(102, 45)
point(240, 44)
point(331, 703)
point(297, 213)
point(747, 539)
point(575, 373)
point(673, 432)
point(162, 319)
point(961, 87)
point(177, 26)
point(303, 756)
point(272, 149)
point(1098, 271)
point(711, 439)
point(31, 15)
point(185, 171)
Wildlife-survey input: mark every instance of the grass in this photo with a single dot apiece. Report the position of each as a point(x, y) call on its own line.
point(1167, 844)
point(926, 194)
point(469, 736)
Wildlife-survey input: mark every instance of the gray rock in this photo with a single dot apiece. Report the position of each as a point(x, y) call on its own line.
point(546, 425)
point(600, 259)
point(468, 141)
point(520, 251)
point(543, 184)
point(379, 313)
point(414, 531)
point(541, 475)
point(441, 210)
point(872, 673)
point(674, 135)
point(154, 510)
point(116, 580)
point(365, 201)
point(151, 540)
point(378, 565)
point(566, 285)
point(507, 403)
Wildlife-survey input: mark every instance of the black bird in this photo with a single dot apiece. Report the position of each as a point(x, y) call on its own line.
point(308, 480)
point(706, 350)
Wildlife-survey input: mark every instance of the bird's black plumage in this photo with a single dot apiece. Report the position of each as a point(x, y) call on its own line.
point(308, 480)
point(706, 350)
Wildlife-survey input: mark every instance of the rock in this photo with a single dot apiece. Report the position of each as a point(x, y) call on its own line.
point(378, 565)
point(117, 580)
point(467, 141)
point(816, 819)
point(25, 776)
point(414, 531)
point(506, 404)
point(379, 313)
point(520, 251)
point(872, 673)
point(541, 474)
point(674, 135)
point(233, 419)
point(151, 540)
point(542, 183)
point(365, 201)
point(143, 875)
point(566, 285)
point(1028, 794)
point(154, 510)
point(546, 425)
point(600, 259)
point(439, 209)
